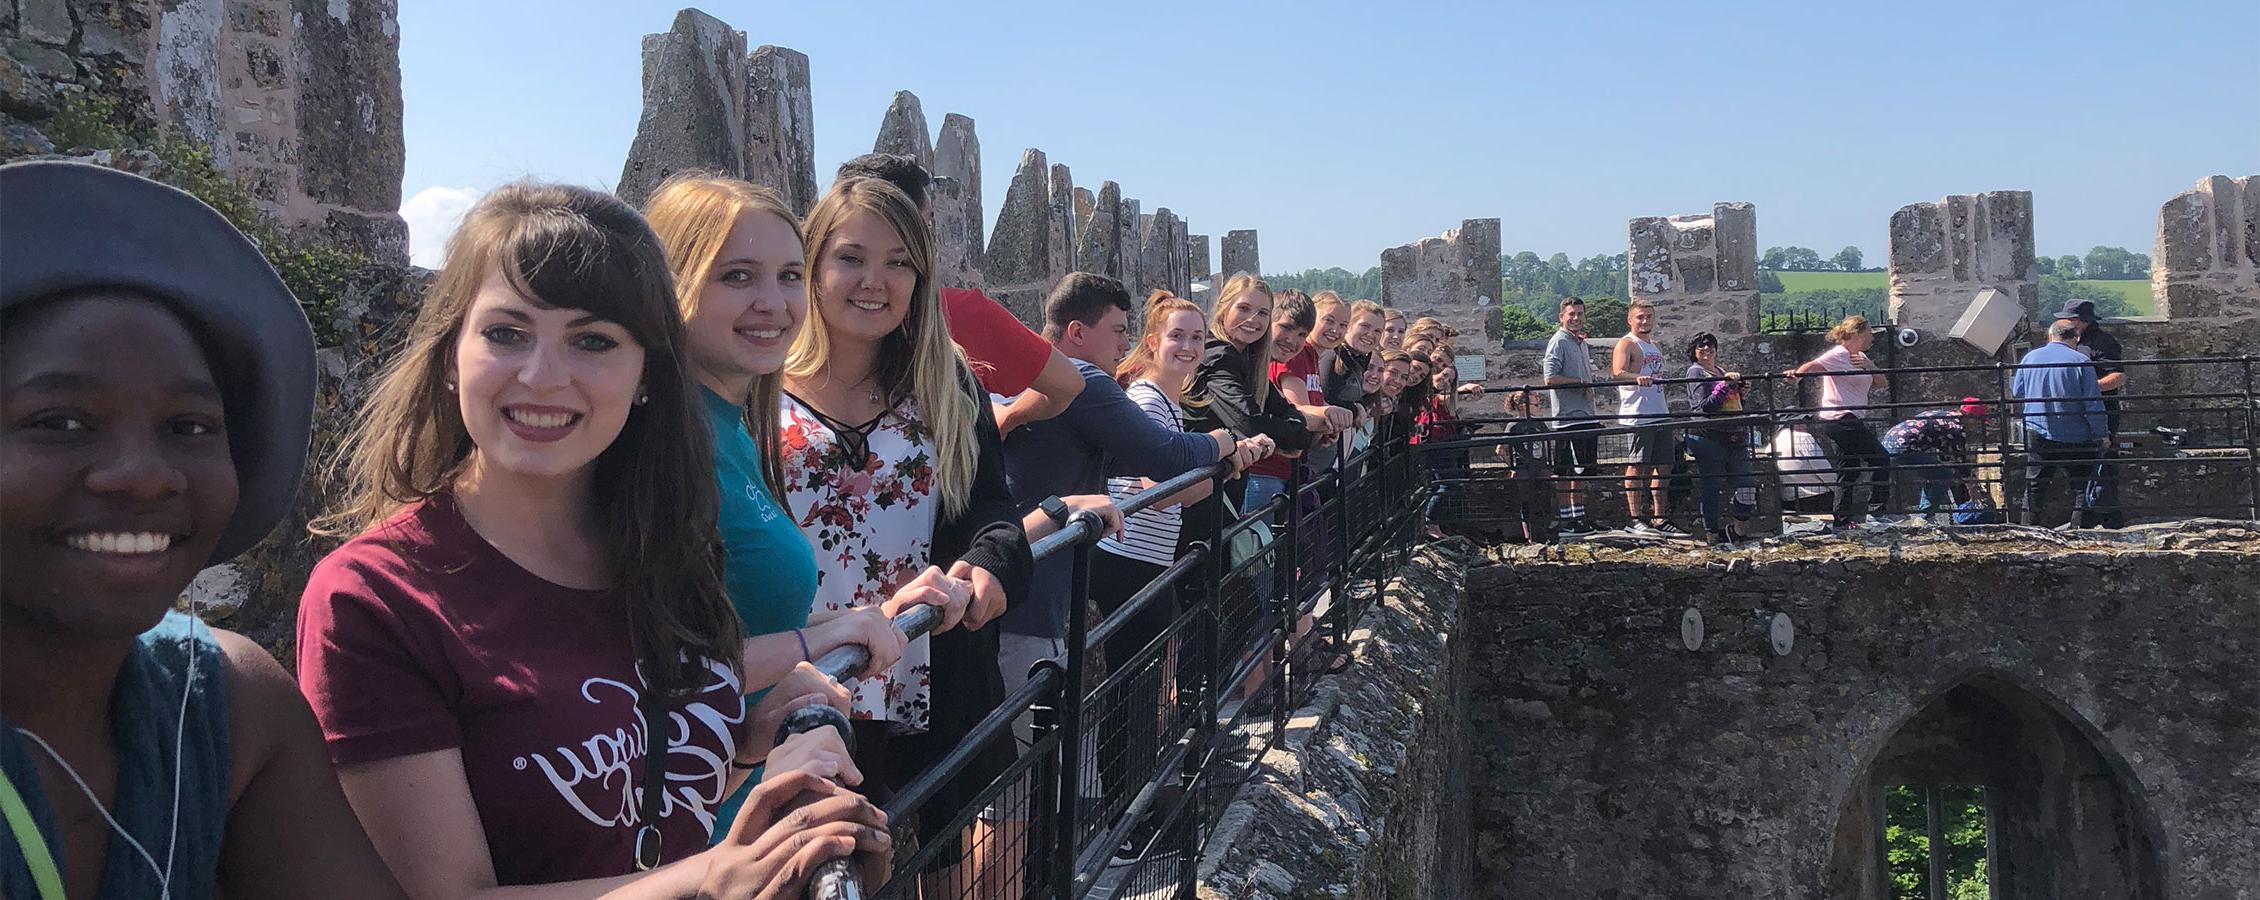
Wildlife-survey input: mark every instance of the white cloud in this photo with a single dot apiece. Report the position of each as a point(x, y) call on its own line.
point(432, 215)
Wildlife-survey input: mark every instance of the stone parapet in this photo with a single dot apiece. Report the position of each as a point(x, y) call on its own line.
point(1240, 255)
point(1454, 278)
point(2207, 261)
point(781, 126)
point(1944, 253)
point(1700, 270)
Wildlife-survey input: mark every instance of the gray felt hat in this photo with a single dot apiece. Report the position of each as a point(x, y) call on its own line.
point(66, 226)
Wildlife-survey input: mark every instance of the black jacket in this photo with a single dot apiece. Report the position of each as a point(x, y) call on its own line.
point(967, 684)
point(1223, 397)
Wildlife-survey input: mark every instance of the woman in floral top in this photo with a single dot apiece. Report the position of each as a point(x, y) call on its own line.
point(895, 472)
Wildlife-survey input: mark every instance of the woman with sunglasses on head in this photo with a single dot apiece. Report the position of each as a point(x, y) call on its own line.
point(524, 660)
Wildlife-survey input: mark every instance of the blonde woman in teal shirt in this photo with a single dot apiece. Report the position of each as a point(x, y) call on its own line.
point(740, 280)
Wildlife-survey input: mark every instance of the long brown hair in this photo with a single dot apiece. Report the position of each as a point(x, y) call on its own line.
point(1146, 356)
point(916, 359)
point(654, 491)
point(693, 213)
point(1258, 374)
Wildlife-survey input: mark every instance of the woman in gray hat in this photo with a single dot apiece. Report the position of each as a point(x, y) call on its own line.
point(158, 381)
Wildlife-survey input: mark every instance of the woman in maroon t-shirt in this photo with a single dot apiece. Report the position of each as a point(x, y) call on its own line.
point(530, 628)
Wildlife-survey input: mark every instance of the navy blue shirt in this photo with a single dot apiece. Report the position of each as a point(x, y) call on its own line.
point(1102, 433)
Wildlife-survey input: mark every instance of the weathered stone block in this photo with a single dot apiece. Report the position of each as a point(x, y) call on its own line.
point(1241, 254)
point(23, 94)
point(44, 21)
point(903, 131)
point(1099, 232)
point(351, 151)
point(1918, 239)
point(1737, 239)
point(694, 97)
point(1197, 253)
point(958, 155)
point(1065, 233)
point(780, 126)
point(1698, 274)
point(1648, 268)
point(1019, 250)
point(955, 247)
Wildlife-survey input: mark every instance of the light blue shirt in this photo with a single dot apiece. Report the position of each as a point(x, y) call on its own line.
point(2063, 403)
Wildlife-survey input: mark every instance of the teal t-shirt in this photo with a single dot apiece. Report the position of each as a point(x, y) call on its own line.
point(770, 572)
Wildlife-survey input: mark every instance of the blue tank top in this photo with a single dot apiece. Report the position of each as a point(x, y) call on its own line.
point(145, 711)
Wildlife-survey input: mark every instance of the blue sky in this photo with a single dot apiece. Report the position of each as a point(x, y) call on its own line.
point(1340, 129)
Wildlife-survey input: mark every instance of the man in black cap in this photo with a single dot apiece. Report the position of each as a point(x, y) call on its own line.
point(2111, 375)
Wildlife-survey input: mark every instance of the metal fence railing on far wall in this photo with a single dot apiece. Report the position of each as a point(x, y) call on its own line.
point(1145, 750)
point(2182, 443)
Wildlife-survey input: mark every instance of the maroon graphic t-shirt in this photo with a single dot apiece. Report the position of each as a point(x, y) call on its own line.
point(420, 636)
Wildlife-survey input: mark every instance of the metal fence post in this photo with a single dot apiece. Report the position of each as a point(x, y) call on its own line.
point(1045, 781)
point(1287, 604)
point(1071, 712)
point(2012, 501)
point(1207, 675)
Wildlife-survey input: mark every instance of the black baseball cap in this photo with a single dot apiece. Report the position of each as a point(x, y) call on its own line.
point(68, 226)
point(2075, 308)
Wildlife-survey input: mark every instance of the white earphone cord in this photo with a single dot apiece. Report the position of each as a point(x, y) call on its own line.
point(180, 733)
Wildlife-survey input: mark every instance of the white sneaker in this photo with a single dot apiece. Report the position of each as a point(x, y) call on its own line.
point(1643, 529)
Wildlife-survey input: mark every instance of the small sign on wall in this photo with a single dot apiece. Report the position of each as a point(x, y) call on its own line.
point(1470, 366)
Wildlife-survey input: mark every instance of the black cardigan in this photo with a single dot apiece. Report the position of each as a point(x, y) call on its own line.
point(967, 683)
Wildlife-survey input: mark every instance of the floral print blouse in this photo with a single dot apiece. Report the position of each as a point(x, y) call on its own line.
point(864, 497)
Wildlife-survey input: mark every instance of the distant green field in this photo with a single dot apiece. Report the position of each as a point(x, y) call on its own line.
point(2136, 292)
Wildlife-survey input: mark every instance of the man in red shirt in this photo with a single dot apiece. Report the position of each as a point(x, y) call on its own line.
point(1010, 359)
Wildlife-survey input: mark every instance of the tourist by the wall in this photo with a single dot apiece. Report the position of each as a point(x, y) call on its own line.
point(1528, 465)
point(893, 463)
point(1721, 452)
point(2101, 346)
point(535, 570)
point(1344, 378)
point(1394, 324)
point(1154, 377)
point(1010, 360)
point(1293, 371)
point(1863, 468)
point(146, 753)
point(1637, 362)
point(2065, 424)
point(741, 282)
point(1567, 371)
point(1931, 448)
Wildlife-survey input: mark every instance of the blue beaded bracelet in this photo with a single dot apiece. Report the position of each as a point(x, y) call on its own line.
point(804, 654)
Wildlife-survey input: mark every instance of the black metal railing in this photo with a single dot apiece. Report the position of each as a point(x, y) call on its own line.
point(2183, 443)
point(1162, 739)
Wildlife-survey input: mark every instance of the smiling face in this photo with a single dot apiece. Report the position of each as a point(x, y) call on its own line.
point(1642, 319)
point(542, 390)
point(1442, 378)
point(1178, 350)
point(1370, 382)
point(1246, 318)
point(1418, 372)
point(1365, 332)
point(1393, 331)
point(865, 280)
point(1573, 318)
point(1333, 326)
point(1398, 373)
point(1287, 340)
point(1707, 355)
point(752, 304)
point(114, 487)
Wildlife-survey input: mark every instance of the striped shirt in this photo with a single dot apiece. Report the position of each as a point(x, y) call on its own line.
point(1150, 536)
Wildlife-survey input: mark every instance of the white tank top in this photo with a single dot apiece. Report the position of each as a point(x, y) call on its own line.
point(1636, 404)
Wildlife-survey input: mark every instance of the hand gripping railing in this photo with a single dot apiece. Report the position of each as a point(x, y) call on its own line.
point(836, 879)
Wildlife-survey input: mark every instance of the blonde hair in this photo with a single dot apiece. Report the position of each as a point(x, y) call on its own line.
point(693, 213)
point(1146, 356)
point(1844, 330)
point(917, 359)
point(1367, 308)
point(1389, 312)
point(1325, 300)
point(1258, 376)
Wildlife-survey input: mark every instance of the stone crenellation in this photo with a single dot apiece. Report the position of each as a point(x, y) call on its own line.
point(299, 101)
point(1454, 278)
point(1701, 271)
point(1018, 259)
point(1944, 253)
point(903, 131)
point(2207, 262)
point(1100, 231)
point(957, 155)
point(1197, 257)
point(1239, 254)
point(709, 104)
point(781, 125)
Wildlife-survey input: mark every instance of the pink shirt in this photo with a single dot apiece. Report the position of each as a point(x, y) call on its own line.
point(420, 636)
point(1841, 395)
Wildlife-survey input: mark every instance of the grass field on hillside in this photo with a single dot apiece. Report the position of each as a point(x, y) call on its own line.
point(2136, 292)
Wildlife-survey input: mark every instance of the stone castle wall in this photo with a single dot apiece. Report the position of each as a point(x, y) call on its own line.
point(2207, 262)
point(1944, 253)
point(300, 100)
point(1453, 277)
point(1701, 271)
